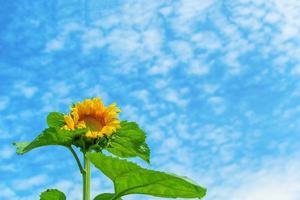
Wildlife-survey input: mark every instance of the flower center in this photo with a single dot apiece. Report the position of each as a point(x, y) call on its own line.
point(92, 123)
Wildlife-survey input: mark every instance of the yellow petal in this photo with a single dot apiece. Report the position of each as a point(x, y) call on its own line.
point(69, 121)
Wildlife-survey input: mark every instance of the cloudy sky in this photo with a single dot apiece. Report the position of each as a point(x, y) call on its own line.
point(215, 84)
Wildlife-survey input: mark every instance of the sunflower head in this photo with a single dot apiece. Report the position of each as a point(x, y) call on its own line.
point(95, 117)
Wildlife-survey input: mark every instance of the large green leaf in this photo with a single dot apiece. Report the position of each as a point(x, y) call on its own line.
point(52, 194)
point(50, 136)
point(105, 196)
point(129, 141)
point(129, 178)
point(55, 119)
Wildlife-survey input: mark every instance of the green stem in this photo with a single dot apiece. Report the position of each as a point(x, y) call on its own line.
point(77, 160)
point(86, 179)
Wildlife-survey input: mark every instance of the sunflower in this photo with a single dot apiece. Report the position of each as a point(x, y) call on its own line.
point(92, 114)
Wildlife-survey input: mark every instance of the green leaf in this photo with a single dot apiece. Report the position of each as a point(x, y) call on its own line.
point(52, 194)
point(55, 119)
point(129, 178)
point(49, 136)
point(105, 196)
point(129, 141)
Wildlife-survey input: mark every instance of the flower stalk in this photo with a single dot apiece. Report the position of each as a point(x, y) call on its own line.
point(86, 176)
point(77, 160)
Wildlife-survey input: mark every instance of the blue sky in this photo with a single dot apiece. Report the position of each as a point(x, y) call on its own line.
point(214, 83)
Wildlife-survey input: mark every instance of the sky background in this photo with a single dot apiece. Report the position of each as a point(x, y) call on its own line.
point(215, 84)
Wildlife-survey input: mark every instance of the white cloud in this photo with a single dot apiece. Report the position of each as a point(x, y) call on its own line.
point(9, 168)
point(124, 42)
point(218, 104)
point(184, 130)
point(169, 145)
point(152, 40)
point(272, 17)
point(5, 134)
point(158, 131)
point(7, 152)
point(183, 50)
point(108, 22)
point(25, 184)
point(288, 113)
point(188, 9)
point(187, 13)
point(172, 96)
point(231, 59)
point(76, 192)
point(6, 192)
point(274, 20)
point(64, 185)
point(92, 38)
point(210, 88)
point(166, 10)
point(73, 188)
point(131, 112)
point(197, 67)
point(3, 103)
point(59, 42)
point(163, 65)
point(55, 44)
point(161, 83)
point(296, 70)
point(97, 91)
point(60, 88)
point(277, 179)
point(141, 94)
point(25, 89)
point(207, 40)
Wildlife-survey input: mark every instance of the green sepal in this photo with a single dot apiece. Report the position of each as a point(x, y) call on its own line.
point(129, 141)
point(129, 178)
point(99, 144)
point(50, 136)
point(55, 119)
point(52, 194)
point(90, 144)
point(106, 196)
